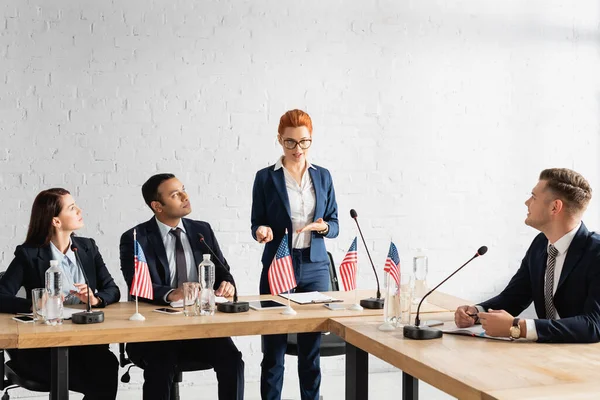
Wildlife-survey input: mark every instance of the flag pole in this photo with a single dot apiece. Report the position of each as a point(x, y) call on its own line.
point(289, 310)
point(137, 316)
point(356, 306)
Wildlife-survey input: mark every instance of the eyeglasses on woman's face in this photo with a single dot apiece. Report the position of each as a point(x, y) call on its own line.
point(291, 144)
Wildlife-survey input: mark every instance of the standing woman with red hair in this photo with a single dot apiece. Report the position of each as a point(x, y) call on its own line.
point(296, 195)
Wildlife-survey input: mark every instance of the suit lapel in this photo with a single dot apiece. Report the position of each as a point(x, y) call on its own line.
point(86, 261)
point(279, 183)
point(315, 175)
point(574, 254)
point(155, 240)
point(540, 272)
point(192, 235)
point(44, 257)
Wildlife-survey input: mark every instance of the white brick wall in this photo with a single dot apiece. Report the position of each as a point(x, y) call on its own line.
point(434, 118)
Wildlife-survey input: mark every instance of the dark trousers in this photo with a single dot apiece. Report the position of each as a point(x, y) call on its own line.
point(310, 276)
point(93, 370)
point(160, 360)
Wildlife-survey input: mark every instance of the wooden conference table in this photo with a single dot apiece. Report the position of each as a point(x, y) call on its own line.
point(117, 328)
point(466, 367)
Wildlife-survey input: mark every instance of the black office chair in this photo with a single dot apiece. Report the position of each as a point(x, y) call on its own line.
point(331, 344)
point(13, 376)
point(177, 379)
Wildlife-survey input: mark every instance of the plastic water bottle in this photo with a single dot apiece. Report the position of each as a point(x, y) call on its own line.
point(54, 304)
point(206, 273)
point(420, 269)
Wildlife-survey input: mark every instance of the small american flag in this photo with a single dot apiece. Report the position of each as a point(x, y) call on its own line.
point(392, 263)
point(348, 268)
point(142, 284)
point(281, 271)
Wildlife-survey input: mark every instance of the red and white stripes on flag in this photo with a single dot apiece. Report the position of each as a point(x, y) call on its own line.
point(142, 284)
point(348, 268)
point(281, 270)
point(392, 263)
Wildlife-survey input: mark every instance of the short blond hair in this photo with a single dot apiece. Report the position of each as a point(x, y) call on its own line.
point(569, 186)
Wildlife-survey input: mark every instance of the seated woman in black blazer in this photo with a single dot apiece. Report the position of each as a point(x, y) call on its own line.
point(93, 370)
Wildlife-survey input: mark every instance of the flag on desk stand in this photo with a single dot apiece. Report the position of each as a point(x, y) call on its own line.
point(142, 283)
point(348, 268)
point(348, 273)
point(281, 273)
point(392, 263)
point(392, 267)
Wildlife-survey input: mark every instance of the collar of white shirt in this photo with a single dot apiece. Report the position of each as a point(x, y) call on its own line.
point(59, 255)
point(279, 164)
point(562, 244)
point(165, 229)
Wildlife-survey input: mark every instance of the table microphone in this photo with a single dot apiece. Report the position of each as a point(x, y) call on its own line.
point(234, 306)
point(371, 303)
point(424, 333)
point(88, 316)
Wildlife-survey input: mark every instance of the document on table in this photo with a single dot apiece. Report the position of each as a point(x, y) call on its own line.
point(179, 303)
point(473, 331)
point(309, 298)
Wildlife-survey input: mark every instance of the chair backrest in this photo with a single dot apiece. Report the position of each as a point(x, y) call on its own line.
point(334, 284)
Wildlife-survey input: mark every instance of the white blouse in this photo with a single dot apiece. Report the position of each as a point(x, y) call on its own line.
point(302, 204)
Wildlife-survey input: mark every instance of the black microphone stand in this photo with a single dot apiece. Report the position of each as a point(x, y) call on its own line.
point(370, 303)
point(425, 333)
point(88, 316)
point(234, 306)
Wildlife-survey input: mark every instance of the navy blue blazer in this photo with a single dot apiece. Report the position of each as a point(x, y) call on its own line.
point(577, 297)
point(28, 269)
point(271, 207)
point(148, 235)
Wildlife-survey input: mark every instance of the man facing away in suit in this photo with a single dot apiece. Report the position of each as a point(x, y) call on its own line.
point(560, 272)
point(173, 250)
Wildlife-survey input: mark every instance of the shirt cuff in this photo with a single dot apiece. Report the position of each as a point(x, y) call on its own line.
point(479, 308)
point(531, 330)
point(167, 296)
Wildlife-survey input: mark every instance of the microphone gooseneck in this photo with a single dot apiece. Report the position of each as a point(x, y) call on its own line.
point(354, 216)
point(418, 333)
point(88, 316)
point(481, 251)
point(88, 306)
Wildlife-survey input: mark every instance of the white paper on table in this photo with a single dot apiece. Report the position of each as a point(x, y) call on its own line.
point(179, 303)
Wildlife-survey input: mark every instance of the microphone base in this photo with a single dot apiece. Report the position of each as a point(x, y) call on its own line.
point(231, 307)
point(421, 333)
point(372, 303)
point(92, 317)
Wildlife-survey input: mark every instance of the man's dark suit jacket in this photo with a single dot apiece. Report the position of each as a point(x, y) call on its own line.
point(577, 297)
point(29, 267)
point(148, 235)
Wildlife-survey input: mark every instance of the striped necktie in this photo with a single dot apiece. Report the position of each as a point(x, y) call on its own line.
point(549, 283)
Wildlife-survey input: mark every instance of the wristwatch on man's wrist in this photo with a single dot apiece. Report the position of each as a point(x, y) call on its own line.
point(515, 329)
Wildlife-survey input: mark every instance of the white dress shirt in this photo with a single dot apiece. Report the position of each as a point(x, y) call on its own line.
point(169, 242)
point(70, 272)
point(303, 201)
